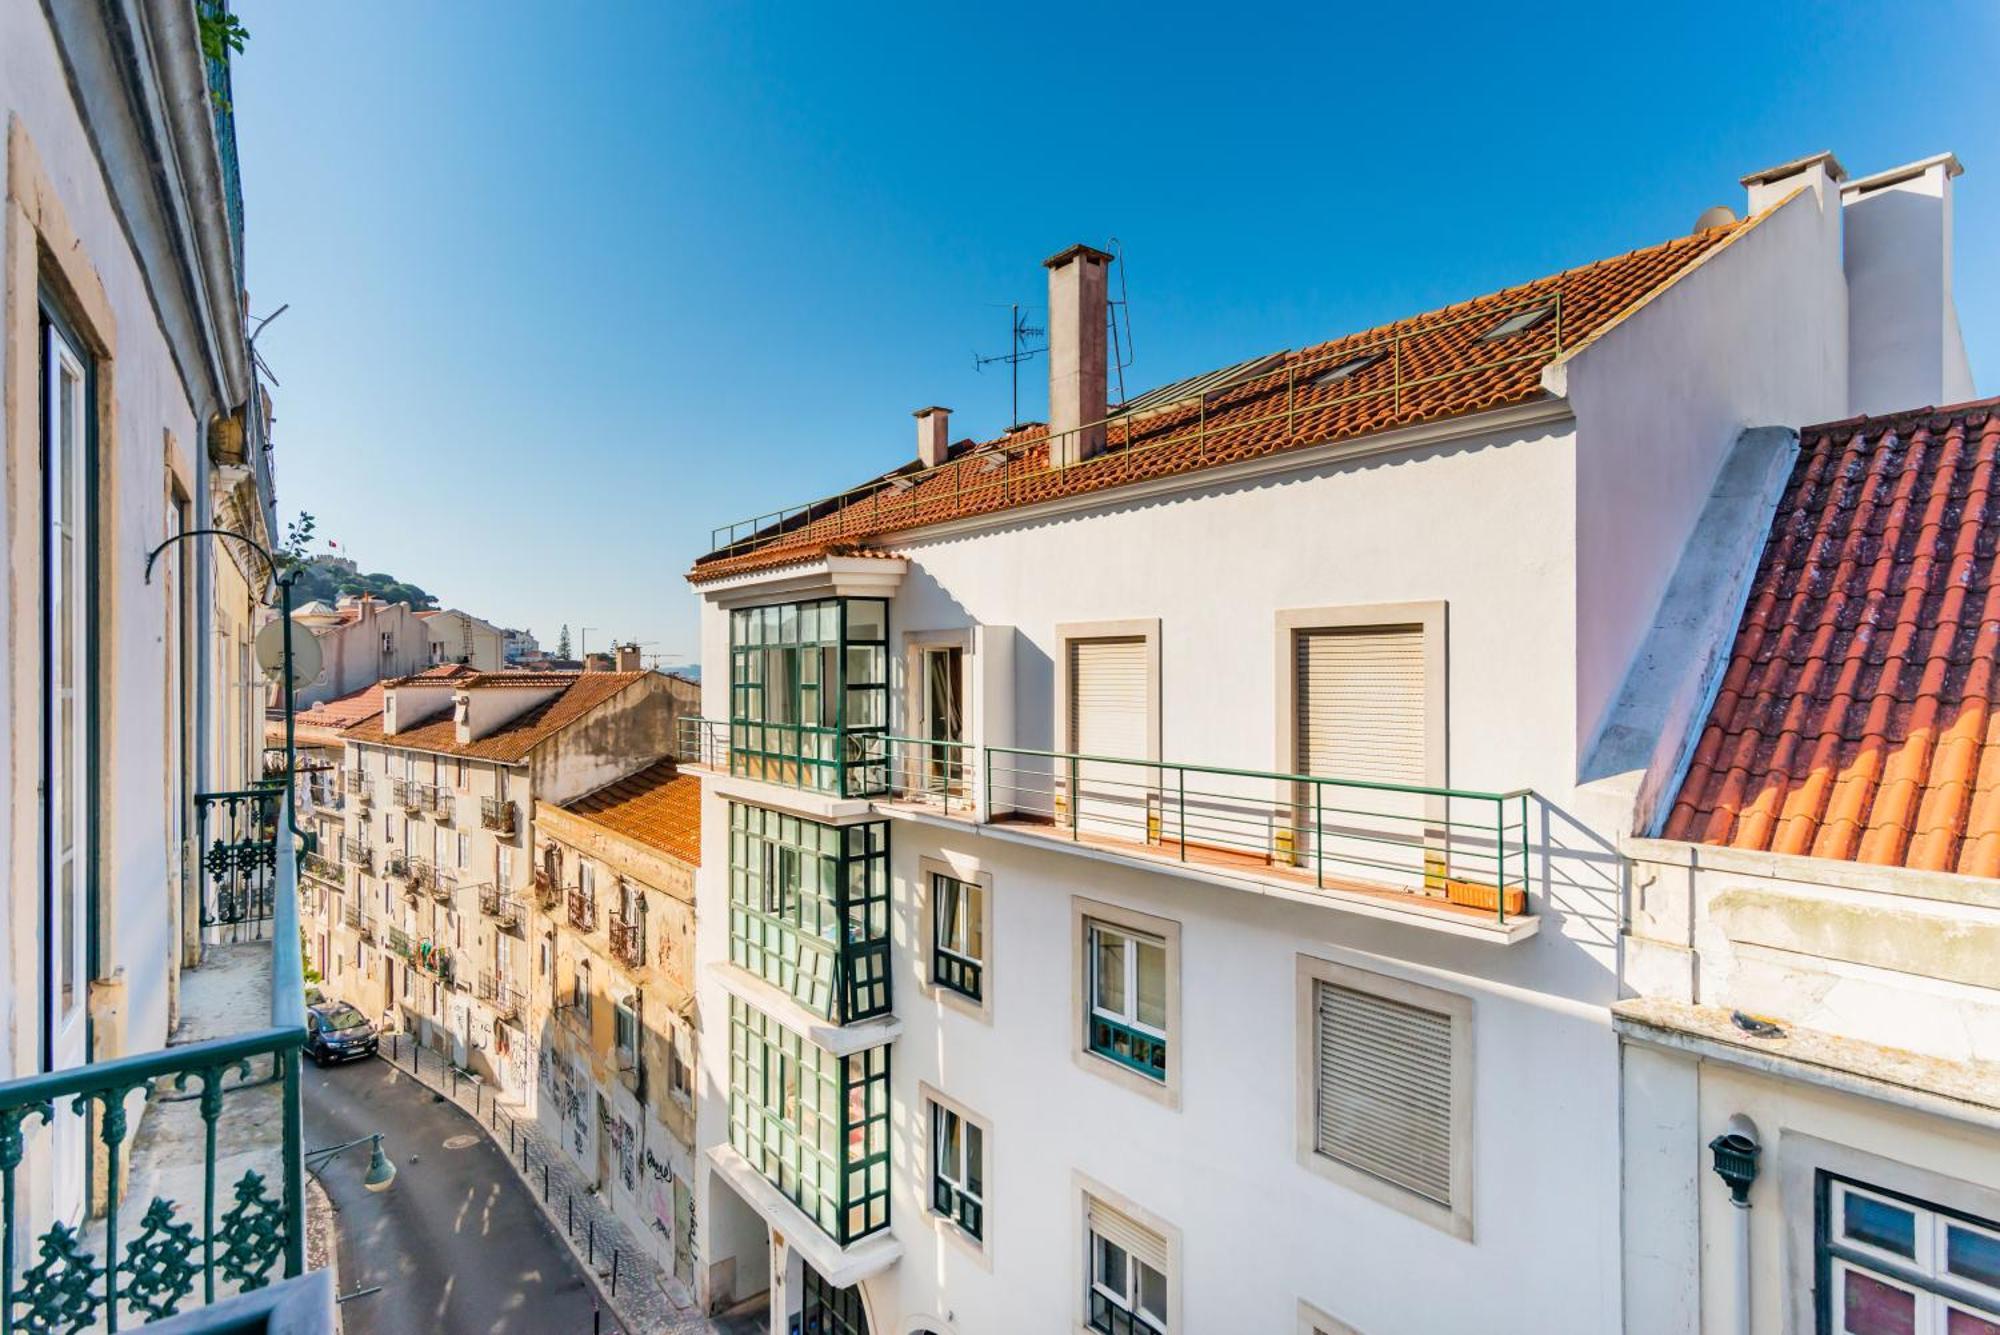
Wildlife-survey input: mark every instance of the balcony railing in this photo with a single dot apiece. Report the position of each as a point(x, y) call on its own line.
point(497, 904)
point(503, 997)
point(438, 801)
point(395, 863)
point(443, 884)
point(407, 794)
point(496, 813)
point(357, 853)
point(237, 835)
point(110, 1269)
point(420, 875)
point(352, 915)
point(582, 910)
point(628, 940)
point(702, 741)
point(398, 943)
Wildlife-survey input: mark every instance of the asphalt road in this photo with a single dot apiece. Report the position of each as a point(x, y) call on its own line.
point(456, 1242)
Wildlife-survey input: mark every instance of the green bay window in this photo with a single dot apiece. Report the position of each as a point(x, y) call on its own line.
point(809, 910)
point(815, 1125)
point(809, 694)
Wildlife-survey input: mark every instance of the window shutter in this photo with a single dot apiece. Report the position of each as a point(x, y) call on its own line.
point(1116, 1226)
point(1385, 1089)
point(1107, 689)
point(1360, 703)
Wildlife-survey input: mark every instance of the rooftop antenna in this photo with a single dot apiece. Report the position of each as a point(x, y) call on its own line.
point(1121, 348)
point(1019, 332)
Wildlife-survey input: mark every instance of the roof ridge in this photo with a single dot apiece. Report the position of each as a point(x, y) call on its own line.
point(1964, 408)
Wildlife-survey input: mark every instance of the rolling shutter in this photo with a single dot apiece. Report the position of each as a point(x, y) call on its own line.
point(1385, 1089)
point(1116, 1226)
point(1360, 703)
point(1107, 692)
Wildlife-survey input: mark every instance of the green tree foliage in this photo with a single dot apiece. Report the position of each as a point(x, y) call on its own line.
point(562, 642)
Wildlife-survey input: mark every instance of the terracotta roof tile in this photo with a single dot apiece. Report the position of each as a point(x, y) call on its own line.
point(659, 807)
point(1436, 366)
point(1857, 718)
point(583, 692)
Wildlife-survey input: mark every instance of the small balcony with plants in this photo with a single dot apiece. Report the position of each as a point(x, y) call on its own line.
point(628, 939)
point(504, 908)
point(497, 814)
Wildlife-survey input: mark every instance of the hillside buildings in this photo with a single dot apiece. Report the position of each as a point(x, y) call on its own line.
point(1174, 868)
point(460, 637)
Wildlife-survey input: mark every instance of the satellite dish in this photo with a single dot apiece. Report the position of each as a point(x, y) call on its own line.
point(307, 660)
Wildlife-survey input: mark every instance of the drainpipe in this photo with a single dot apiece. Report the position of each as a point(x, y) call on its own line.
point(1736, 1151)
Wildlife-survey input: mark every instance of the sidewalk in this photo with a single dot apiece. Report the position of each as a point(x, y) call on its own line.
point(639, 1301)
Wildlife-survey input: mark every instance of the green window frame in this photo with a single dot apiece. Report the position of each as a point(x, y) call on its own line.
point(958, 934)
point(958, 1169)
point(809, 910)
point(1127, 1019)
point(814, 1125)
point(809, 694)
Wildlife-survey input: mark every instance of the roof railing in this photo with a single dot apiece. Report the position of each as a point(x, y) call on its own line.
point(877, 506)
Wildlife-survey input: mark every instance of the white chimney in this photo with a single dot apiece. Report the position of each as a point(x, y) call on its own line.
point(933, 435)
point(1772, 185)
point(1076, 353)
point(1904, 349)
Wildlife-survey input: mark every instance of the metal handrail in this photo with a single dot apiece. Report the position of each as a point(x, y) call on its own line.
point(772, 524)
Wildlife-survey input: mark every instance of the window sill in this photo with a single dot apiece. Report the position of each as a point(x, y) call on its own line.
point(810, 803)
point(1118, 1073)
point(836, 1039)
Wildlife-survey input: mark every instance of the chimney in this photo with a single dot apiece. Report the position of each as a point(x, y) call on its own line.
point(933, 435)
point(1771, 185)
point(1076, 354)
point(1904, 349)
point(628, 658)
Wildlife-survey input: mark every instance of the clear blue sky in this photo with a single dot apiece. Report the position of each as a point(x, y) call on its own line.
point(570, 285)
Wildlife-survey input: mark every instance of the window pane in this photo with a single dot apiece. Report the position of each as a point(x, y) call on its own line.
point(1110, 972)
point(1110, 1265)
point(1152, 984)
point(1871, 1307)
point(1152, 1292)
point(1972, 1254)
point(973, 937)
point(1958, 1321)
point(948, 1144)
point(1880, 1224)
point(975, 1160)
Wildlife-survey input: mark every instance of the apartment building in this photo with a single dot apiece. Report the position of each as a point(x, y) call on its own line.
point(1163, 869)
point(140, 859)
point(362, 640)
point(425, 912)
point(613, 999)
point(460, 637)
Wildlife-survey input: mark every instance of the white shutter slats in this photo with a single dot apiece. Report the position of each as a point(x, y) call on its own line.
point(1360, 703)
point(1113, 1225)
point(1385, 1089)
point(1108, 698)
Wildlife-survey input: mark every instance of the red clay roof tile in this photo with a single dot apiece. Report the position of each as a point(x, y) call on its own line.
point(1867, 653)
point(659, 807)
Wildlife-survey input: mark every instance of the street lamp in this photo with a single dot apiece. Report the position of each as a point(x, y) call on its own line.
point(381, 1171)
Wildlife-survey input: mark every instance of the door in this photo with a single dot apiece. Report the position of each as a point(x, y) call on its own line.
point(68, 535)
point(1361, 717)
point(943, 769)
point(1110, 720)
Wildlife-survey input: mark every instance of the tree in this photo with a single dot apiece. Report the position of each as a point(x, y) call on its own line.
point(562, 642)
point(291, 552)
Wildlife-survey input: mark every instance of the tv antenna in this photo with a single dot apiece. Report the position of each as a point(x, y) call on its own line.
point(1121, 309)
point(1019, 335)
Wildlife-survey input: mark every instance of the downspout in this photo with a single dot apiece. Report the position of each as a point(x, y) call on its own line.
point(1736, 1151)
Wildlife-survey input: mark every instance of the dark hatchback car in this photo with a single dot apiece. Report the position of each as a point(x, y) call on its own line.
point(335, 1031)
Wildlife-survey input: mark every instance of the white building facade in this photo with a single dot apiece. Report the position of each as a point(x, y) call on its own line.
point(1153, 876)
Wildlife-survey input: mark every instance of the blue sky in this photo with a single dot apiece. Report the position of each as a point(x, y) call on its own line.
point(571, 285)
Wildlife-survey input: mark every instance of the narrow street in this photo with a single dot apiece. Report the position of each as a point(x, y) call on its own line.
point(456, 1243)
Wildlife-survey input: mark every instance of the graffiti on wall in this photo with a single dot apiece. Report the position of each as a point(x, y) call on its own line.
point(621, 1150)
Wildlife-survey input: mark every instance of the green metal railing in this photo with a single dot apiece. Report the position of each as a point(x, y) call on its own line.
point(1281, 404)
point(81, 1278)
point(236, 833)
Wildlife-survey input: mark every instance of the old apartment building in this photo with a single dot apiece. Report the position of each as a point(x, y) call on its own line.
point(424, 911)
point(1173, 868)
point(613, 998)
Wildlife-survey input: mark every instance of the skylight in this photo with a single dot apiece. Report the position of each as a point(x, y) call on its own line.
point(1352, 366)
point(1517, 322)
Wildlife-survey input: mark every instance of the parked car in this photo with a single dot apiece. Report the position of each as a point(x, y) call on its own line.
point(335, 1031)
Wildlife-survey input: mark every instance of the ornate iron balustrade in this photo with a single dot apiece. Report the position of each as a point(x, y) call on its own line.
point(326, 868)
point(628, 940)
point(439, 801)
point(180, 1254)
point(444, 884)
point(496, 813)
point(582, 910)
point(237, 836)
point(407, 794)
point(497, 904)
point(357, 853)
point(420, 875)
point(503, 997)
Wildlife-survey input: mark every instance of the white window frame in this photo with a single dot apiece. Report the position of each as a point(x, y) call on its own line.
point(1083, 913)
point(1084, 1191)
point(957, 867)
point(936, 1102)
point(1455, 1219)
point(1313, 1321)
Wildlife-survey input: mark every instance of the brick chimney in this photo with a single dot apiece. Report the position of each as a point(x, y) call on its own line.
point(933, 435)
point(1076, 353)
point(628, 658)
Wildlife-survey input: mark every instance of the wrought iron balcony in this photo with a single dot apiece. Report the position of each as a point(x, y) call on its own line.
point(407, 794)
point(398, 942)
point(395, 863)
point(237, 835)
point(497, 904)
point(582, 910)
point(148, 1124)
point(444, 884)
point(439, 802)
point(352, 915)
point(628, 940)
point(362, 793)
point(358, 853)
point(420, 875)
point(547, 892)
point(502, 996)
point(325, 868)
point(496, 813)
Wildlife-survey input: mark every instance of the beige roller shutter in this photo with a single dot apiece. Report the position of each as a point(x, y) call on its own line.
point(1114, 1225)
point(1385, 1089)
point(1108, 693)
point(1361, 703)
